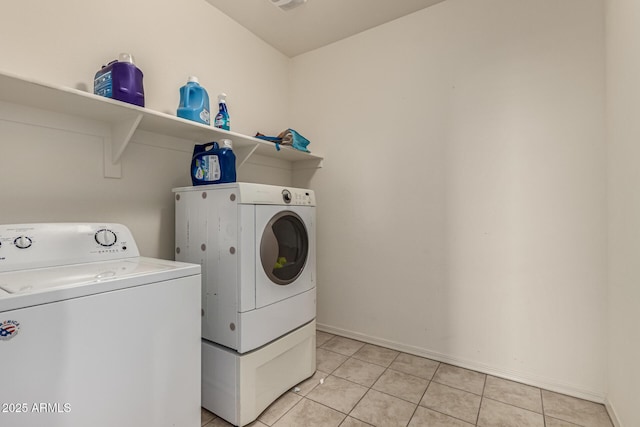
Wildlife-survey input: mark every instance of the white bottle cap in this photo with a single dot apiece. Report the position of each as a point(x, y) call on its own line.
point(222, 97)
point(126, 57)
point(193, 79)
point(226, 143)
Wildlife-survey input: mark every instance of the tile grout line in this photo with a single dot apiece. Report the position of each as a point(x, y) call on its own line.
point(338, 336)
point(367, 392)
point(281, 416)
point(544, 416)
point(519, 407)
point(419, 400)
point(359, 400)
point(568, 422)
point(460, 389)
point(328, 407)
point(341, 363)
point(396, 397)
point(379, 391)
point(344, 379)
point(384, 372)
point(424, 392)
point(484, 386)
point(447, 415)
point(435, 410)
point(515, 406)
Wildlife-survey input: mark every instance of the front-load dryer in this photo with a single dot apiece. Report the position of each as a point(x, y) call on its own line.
point(256, 245)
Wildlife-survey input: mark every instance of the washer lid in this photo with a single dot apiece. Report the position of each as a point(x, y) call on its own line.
point(24, 288)
point(42, 279)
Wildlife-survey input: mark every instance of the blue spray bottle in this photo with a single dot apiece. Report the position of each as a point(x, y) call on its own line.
point(222, 118)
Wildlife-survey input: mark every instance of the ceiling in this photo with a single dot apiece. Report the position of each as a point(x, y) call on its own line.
point(316, 23)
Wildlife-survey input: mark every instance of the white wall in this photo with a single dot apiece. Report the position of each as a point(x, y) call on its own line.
point(623, 98)
point(462, 203)
point(57, 175)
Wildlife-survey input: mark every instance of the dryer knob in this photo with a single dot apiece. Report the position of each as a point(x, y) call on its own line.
point(106, 237)
point(22, 242)
point(286, 196)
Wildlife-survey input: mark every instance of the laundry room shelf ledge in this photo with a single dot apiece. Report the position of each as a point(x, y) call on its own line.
point(125, 119)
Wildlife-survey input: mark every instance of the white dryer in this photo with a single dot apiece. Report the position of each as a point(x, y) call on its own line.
point(256, 245)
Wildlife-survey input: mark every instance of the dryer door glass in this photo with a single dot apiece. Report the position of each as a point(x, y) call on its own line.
point(284, 248)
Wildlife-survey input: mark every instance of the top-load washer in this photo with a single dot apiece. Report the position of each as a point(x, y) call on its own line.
point(91, 333)
point(256, 245)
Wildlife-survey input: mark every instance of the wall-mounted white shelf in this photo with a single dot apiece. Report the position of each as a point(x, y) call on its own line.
point(124, 119)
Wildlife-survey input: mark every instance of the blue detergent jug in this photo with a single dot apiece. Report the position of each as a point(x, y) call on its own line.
point(194, 102)
point(211, 164)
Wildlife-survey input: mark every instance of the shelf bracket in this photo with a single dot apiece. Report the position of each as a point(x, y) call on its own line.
point(121, 133)
point(307, 164)
point(243, 153)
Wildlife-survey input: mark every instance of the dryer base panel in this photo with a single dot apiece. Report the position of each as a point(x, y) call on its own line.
point(238, 387)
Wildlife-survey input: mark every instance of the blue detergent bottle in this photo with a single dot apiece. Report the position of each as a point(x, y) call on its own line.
point(222, 120)
point(228, 163)
point(212, 164)
point(194, 102)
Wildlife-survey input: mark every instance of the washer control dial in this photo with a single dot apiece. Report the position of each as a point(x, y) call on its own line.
point(106, 237)
point(22, 242)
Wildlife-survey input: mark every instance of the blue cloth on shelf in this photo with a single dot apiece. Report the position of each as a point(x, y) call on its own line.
point(287, 137)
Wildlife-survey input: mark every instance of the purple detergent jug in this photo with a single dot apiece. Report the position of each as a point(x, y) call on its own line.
point(120, 80)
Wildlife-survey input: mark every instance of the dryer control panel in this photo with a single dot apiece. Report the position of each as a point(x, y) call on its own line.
point(24, 246)
point(258, 194)
point(249, 193)
point(297, 197)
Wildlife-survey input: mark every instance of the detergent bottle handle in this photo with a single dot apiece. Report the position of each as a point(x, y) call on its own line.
point(209, 146)
point(201, 148)
point(187, 90)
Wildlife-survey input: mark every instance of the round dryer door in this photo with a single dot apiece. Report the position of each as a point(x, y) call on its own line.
point(284, 248)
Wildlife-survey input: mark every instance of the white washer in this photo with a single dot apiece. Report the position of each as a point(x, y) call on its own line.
point(256, 245)
point(93, 334)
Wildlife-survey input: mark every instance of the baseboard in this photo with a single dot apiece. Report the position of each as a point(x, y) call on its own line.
point(612, 413)
point(521, 377)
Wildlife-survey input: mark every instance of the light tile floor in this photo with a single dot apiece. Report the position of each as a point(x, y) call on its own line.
point(359, 384)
